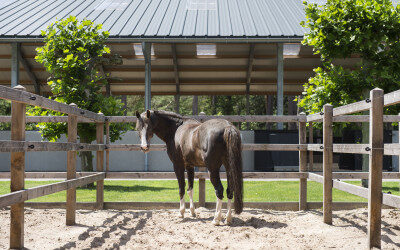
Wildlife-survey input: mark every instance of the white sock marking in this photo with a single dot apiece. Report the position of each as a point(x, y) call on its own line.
point(182, 207)
point(217, 216)
point(229, 213)
point(192, 208)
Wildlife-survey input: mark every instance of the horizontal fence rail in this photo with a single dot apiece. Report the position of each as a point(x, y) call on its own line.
point(388, 149)
point(246, 147)
point(28, 98)
point(388, 199)
point(18, 146)
point(32, 193)
point(233, 118)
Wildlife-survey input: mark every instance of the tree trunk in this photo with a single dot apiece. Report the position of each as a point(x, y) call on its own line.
point(124, 101)
point(214, 104)
point(86, 160)
point(195, 105)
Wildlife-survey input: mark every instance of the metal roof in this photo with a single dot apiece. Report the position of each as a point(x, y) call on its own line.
point(160, 19)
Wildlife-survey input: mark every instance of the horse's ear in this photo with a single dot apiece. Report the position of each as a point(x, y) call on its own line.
point(148, 113)
point(137, 114)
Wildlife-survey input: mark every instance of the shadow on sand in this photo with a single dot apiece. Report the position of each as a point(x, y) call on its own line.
point(110, 225)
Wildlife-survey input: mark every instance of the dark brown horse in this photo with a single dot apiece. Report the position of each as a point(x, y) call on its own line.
point(191, 143)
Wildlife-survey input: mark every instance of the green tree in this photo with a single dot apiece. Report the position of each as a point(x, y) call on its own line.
point(369, 29)
point(72, 54)
point(340, 29)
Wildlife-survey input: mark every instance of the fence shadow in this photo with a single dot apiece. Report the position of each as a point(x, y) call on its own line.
point(109, 226)
point(129, 189)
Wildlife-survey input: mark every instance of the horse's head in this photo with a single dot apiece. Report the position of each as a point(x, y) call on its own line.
point(144, 126)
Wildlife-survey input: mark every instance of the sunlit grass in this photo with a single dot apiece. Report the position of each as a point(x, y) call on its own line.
point(167, 190)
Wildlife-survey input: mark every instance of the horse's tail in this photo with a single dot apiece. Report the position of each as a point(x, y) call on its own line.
point(234, 159)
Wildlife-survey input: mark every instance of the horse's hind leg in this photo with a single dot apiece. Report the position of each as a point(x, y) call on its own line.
point(180, 175)
point(219, 192)
point(229, 194)
point(190, 175)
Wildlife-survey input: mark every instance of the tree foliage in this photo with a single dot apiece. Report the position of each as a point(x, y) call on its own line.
point(73, 53)
point(341, 29)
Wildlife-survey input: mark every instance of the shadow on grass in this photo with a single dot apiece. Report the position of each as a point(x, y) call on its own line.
point(134, 188)
point(390, 189)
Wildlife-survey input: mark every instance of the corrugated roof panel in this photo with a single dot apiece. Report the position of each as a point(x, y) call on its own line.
point(154, 25)
point(152, 18)
point(50, 15)
point(259, 22)
point(236, 19)
point(225, 27)
point(64, 14)
point(124, 18)
point(146, 18)
point(189, 28)
point(116, 14)
point(290, 16)
point(179, 21)
point(20, 11)
point(201, 23)
point(168, 20)
point(134, 19)
point(12, 27)
point(7, 6)
point(278, 14)
point(269, 17)
point(297, 8)
point(247, 20)
point(213, 23)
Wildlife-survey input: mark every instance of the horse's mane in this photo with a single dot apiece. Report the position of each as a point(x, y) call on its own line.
point(172, 116)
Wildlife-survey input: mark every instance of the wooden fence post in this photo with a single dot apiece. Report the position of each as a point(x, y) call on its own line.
point(302, 165)
point(375, 168)
point(108, 143)
point(71, 168)
point(100, 165)
point(17, 172)
point(310, 153)
point(327, 162)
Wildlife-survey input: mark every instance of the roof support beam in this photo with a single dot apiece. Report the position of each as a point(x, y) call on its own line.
point(176, 74)
point(248, 80)
point(279, 77)
point(15, 50)
point(146, 48)
point(28, 70)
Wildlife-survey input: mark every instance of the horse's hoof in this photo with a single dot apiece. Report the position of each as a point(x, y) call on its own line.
point(215, 222)
point(228, 221)
point(192, 211)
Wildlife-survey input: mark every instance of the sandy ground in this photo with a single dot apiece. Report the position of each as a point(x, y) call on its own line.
point(163, 229)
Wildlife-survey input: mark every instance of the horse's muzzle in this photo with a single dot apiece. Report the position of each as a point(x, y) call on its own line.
point(145, 149)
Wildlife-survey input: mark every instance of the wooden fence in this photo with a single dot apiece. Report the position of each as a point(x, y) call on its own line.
point(376, 149)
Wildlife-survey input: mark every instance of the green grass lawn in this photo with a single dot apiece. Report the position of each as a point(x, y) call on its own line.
point(167, 190)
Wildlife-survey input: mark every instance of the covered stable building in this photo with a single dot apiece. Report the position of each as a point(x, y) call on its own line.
point(173, 47)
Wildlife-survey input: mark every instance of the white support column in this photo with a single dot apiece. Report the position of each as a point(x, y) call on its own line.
point(146, 47)
point(279, 77)
point(15, 50)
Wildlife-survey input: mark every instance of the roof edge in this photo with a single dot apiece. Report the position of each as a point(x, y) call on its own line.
point(230, 39)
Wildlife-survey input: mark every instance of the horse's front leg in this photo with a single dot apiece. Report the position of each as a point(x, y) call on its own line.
point(180, 175)
point(190, 176)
